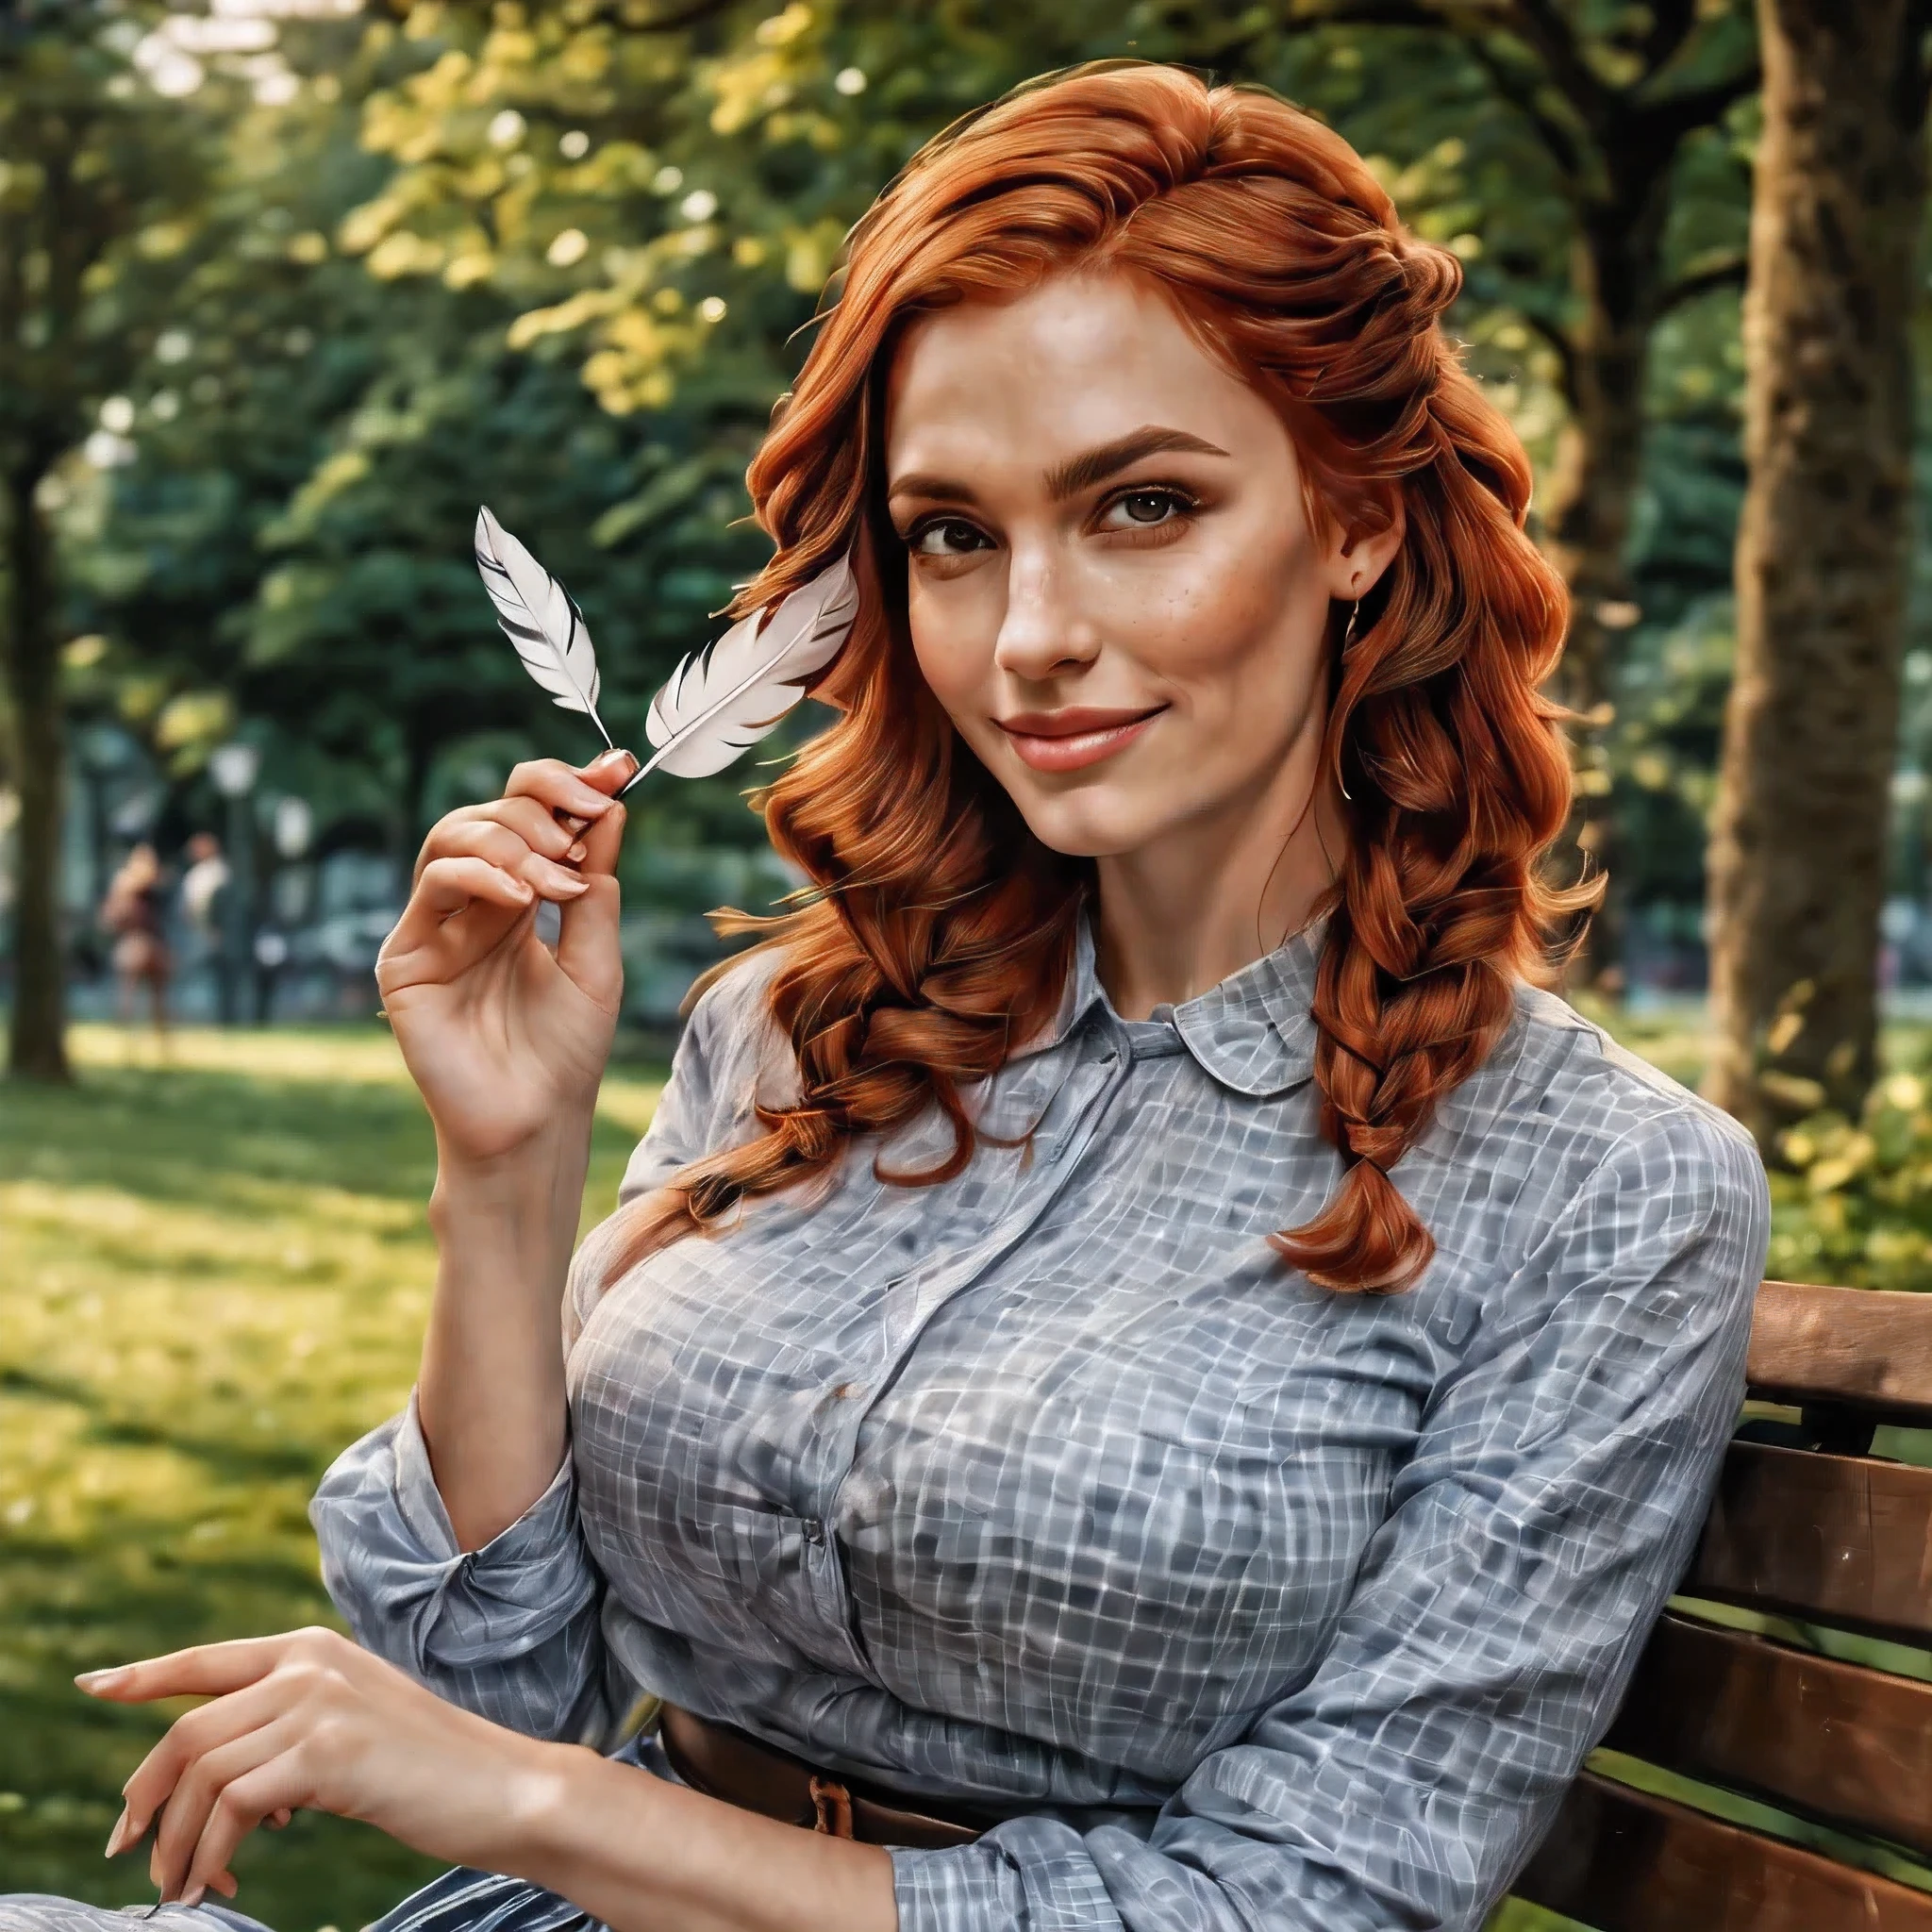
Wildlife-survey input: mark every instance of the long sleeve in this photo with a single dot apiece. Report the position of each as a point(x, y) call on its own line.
point(1560, 1476)
point(510, 1631)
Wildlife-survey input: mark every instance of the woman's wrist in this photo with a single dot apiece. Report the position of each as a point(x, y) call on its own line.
point(641, 1855)
point(548, 1790)
point(524, 1204)
point(532, 1178)
point(566, 1810)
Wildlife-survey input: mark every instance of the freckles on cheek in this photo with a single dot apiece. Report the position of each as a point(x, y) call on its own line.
point(946, 653)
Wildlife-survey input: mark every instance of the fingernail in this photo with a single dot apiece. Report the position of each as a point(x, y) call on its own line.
point(193, 1895)
point(95, 1681)
point(519, 888)
point(118, 1838)
point(578, 853)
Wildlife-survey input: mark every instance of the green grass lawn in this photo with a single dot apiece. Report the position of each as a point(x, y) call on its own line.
point(213, 1273)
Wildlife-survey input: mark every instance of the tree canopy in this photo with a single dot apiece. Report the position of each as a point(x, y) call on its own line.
point(561, 258)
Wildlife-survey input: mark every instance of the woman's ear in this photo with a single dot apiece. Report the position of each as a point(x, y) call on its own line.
point(1359, 557)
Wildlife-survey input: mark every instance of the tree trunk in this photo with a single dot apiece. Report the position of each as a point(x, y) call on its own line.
point(37, 1048)
point(1591, 492)
point(1797, 859)
point(1599, 467)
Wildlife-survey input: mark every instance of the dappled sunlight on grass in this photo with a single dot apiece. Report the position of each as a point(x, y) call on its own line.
point(216, 1273)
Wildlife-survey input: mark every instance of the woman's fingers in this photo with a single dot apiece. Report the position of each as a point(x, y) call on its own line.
point(189, 1739)
point(449, 886)
point(585, 795)
point(205, 1669)
point(604, 835)
point(586, 942)
point(532, 820)
point(258, 1796)
point(205, 1789)
point(508, 852)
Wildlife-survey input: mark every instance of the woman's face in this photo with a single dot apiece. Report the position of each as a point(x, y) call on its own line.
point(1114, 586)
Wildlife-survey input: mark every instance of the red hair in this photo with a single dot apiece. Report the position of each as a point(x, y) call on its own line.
point(942, 929)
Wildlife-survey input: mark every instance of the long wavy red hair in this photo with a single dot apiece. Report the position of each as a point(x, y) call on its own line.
point(941, 929)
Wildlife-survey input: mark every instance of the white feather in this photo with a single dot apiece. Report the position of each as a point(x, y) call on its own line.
point(541, 618)
point(719, 702)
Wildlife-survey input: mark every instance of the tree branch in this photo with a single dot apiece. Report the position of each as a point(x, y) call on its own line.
point(1670, 117)
point(1519, 91)
point(1469, 25)
point(1671, 22)
point(1725, 273)
point(1557, 337)
point(1554, 41)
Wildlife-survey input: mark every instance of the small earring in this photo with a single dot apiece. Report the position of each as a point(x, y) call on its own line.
point(1347, 639)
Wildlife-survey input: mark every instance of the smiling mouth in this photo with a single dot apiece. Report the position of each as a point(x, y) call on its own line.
point(1068, 751)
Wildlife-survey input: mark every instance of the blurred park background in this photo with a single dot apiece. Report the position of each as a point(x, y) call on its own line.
point(289, 287)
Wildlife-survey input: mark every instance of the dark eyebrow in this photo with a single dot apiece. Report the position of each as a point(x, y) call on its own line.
point(1097, 465)
point(937, 489)
point(1070, 478)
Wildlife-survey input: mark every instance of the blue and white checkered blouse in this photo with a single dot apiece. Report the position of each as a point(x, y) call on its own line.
point(1053, 1485)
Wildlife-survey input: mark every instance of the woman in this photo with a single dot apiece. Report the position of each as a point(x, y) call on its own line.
point(135, 911)
point(1145, 1371)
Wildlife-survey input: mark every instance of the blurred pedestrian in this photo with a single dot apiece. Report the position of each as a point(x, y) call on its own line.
point(135, 912)
point(204, 886)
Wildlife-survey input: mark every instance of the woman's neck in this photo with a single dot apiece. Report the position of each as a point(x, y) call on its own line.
point(1177, 916)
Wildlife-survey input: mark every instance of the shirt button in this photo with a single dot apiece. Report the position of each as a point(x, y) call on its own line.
point(814, 1530)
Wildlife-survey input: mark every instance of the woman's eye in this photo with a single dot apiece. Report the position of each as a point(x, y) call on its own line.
point(947, 536)
point(1144, 508)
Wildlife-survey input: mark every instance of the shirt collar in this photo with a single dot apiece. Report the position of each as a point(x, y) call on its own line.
point(1254, 1032)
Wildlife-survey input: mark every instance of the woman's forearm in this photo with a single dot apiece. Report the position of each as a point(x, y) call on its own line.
point(491, 1394)
point(645, 1856)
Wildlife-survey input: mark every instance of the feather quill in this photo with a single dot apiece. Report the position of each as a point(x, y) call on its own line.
point(541, 620)
point(721, 701)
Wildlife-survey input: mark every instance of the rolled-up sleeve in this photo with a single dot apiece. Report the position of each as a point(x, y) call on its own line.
point(1552, 1500)
point(510, 1630)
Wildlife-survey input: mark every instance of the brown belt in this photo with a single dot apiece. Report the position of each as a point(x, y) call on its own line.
point(726, 1763)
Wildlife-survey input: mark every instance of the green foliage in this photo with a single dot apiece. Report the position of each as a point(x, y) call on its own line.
point(562, 258)
point(1856, 1204)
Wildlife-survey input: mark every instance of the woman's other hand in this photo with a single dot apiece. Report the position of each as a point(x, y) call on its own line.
point(309, 1720)
point(503, 1037)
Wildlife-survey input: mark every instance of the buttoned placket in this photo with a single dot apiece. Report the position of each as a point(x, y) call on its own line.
point(1101, 1065)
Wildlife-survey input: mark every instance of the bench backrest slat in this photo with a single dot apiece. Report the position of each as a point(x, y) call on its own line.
point(1622, 1860)
point(1842, 1540)
point(1867, 1347)
point(1833, 1740)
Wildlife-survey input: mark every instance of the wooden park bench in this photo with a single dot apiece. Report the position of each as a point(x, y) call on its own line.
point(1808, 1529)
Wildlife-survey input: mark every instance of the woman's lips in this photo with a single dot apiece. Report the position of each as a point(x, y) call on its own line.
point(1069, 753)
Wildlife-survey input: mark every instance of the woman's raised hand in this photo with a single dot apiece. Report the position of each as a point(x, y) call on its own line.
point(503, 1037)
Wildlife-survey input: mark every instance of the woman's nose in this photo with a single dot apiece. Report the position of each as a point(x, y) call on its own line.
point(1043, 629)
